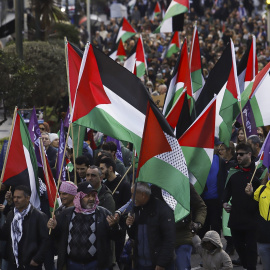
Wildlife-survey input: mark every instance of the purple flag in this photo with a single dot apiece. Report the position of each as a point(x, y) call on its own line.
point(35, 134)
point(119, 152)
point(249, 120)
point(266, 151)
point(67, 119)
point(61, 154)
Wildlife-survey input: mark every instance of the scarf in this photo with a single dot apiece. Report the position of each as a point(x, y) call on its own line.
point(17, 230)
point(78, 207)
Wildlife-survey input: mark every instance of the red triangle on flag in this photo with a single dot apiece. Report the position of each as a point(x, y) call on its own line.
point(252, 68)
point(74, 63)
point(140, 51)
point(195, 55)
point(183, 70)
point(127, 27)
point(175, 111)
point(157, 8)
point(121, 50)
point(154, 141)
point(202, 132)
point(175, 39)
point(16, 162)
point(90, 92)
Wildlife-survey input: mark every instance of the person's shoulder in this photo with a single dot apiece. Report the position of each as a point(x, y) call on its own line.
point(103, 211)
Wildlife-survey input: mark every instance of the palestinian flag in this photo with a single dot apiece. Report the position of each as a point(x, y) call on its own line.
point(181, 80)
point(173, 47)
point(74, 59)
point(174, 17)
point(228, 103)
point(49, 181)
point(162, 163)
point(141, 65)
point(195, 65)
point(213, 85)
point(130, 62)
point(109, 98)
point(120, 53)
point(157, 11)
point(259, 97)
point(125, 32)
point(21, 164)
point(247, 68)
point(197, 144)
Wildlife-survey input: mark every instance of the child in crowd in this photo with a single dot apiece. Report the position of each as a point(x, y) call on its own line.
point(210, 249)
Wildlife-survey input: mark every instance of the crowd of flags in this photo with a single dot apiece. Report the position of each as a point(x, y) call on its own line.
point(175, 146)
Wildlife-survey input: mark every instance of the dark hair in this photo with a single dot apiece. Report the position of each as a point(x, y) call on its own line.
point(109, 146)
point(237, 140)
point(244, 146)
point(80, 160)
point(255, 139)
point(108, 162)
point(26, 190)
point(231, 148)
point(102, 155)
point(93, 167)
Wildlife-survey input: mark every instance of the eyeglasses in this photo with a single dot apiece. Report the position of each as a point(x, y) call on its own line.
point(240, 154)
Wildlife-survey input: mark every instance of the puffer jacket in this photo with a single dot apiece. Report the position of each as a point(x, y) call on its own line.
point(213, 260)
point(262, 195)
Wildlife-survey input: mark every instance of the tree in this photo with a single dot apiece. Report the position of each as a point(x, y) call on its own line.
point(18, 82)
point(48, 60)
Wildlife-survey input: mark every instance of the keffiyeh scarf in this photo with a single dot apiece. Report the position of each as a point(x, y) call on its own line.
point(17, 230)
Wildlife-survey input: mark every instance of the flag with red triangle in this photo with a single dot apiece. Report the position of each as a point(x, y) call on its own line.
point(108, 96)
point(181, 80)
point(49, 181)
point(141, 64)
point(74, 59)
point(157, 11)
point(195, 65)
point(162, 163)
point(173, 47)
point(197, 144)
point(227, 103)
point(120, 53)
point(173, 19)
point(21, 163)
point(126, 31)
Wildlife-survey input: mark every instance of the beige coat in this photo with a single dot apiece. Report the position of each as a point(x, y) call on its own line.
point(217, 259)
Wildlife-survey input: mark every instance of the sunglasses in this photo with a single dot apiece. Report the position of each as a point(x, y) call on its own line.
point(42, 128)
point(240, 154)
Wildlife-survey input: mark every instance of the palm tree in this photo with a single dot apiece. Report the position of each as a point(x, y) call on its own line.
point(46, 13)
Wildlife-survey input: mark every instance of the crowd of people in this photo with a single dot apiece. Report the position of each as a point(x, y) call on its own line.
point(106, 219)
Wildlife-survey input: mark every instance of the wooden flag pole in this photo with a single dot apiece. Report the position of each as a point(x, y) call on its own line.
point(244, 128)
point(8, 146)
point(44, 163)
point(70, 110)
point(122, 179)
point(60, 174)
point(256, 168)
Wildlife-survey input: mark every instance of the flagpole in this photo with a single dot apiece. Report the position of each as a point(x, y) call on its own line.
point(44, 163)
point(256, 168)
point(133, 173)
point(70, 110)
point(8, 146)
point(78, 142)
point(243, 120)
point(122, 179)
point(60, 174)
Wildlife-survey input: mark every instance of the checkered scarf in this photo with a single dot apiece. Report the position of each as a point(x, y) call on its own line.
point(17, 230)
point(78, 207)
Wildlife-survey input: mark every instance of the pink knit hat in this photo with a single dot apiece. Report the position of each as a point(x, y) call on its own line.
point(68, 187)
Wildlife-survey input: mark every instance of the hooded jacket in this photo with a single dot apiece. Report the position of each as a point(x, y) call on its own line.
point(216, 259)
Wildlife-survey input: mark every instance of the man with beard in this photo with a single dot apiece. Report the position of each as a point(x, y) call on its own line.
point(83, 232)
point(243, 209)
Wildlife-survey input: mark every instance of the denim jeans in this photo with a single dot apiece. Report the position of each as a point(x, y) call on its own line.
point(71, 265)
point(183, 255)
point(264, 253)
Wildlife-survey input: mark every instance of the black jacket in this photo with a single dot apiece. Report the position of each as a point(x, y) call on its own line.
point(106, 198)
point(160, 231)
point(244, 212)
point(104, 234)
point(35, 239)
